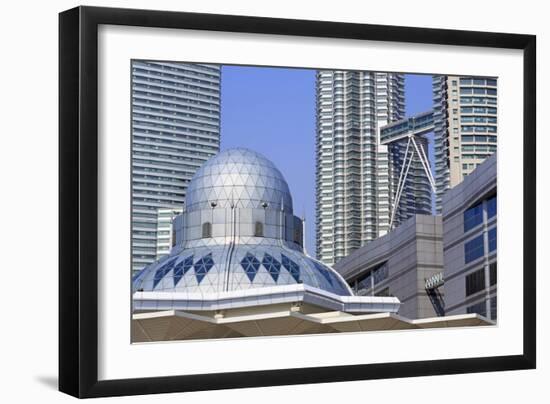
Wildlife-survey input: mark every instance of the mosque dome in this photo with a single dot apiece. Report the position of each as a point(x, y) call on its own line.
point(241, 177)
point(228, 194)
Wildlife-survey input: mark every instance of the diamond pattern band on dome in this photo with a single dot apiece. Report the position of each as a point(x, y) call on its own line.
point(291, 267)
point(202, 267)
point(272, 265)
point(162, 271)
point(182, 268)
point(251, 265)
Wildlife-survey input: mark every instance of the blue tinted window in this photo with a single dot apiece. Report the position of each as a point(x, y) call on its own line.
point(162, 271)
point(380, 274)
point(202, 267)
point(373, 277)
point(492, 239)
point(182, 268)
point(250, 264)
point(473, 249)
point(473, 217)
point(491, 207)
point(323, 271)
point(331, 278)
point(365, 283)
point(272, 265)
point(291, 267)
point(138, 274)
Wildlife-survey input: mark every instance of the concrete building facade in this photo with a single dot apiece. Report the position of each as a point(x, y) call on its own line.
point(438, 265)
point(175, 129)
point(399, 264)
point(470, 243)
point(465, 118)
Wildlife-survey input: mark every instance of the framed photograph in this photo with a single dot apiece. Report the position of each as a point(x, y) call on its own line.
point(251, 201)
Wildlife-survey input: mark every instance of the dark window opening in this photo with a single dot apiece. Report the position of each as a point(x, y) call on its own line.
point(372, 278)
point(493, 274)
point(475, 282)
point(298, 236)
point(259, 229)
point(206, 230)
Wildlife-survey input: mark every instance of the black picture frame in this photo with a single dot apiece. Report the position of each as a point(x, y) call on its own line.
point(78, 200)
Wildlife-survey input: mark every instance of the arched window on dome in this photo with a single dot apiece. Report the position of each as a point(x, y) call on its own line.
point(258, 229)
point(206, 230)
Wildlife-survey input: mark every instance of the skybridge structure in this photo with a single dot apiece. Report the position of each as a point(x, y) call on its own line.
point(409, 131)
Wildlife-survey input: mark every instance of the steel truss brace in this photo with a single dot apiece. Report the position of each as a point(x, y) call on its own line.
point(407, 162)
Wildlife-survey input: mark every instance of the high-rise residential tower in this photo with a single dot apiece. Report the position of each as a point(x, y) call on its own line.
point(465, 119)
point(175, 129)
point(356, 176)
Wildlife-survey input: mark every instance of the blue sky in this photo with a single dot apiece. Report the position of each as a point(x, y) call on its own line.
point(272, 111)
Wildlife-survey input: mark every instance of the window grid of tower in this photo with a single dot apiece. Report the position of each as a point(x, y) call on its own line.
point(465, 117)
point(175, 129)
point(352, 168)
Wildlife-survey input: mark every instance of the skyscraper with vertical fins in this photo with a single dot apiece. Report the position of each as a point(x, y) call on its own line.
point(356, 176)
point(175, 129)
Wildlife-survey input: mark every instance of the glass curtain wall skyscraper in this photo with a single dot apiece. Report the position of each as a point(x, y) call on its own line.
point(465, 119)
point(175, 129)
point(355, 175)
